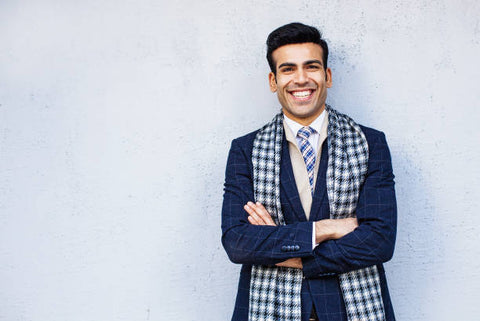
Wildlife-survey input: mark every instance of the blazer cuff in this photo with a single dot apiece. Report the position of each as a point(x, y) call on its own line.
point(299, 244)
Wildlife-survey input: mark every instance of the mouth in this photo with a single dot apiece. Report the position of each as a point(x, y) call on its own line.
point(302, 95)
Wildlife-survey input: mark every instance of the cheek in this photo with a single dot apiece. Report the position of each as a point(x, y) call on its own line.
point(282, 81)
point(282, 88)
point(320, 79)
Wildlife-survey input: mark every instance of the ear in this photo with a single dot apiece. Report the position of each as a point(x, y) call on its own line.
point(272, 81)
point(328, 78)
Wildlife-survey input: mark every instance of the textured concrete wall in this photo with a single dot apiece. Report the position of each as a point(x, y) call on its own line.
point(115, 123)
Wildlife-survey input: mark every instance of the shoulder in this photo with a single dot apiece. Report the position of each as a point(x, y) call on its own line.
point(242, 147)
point(240, 155)
point(372, 135)
point(379, 152)
point(246, 140)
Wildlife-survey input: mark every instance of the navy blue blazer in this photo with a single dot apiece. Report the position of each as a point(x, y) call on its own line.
point(372, 243)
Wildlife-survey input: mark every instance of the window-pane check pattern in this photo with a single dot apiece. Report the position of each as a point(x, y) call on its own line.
point(275, 292)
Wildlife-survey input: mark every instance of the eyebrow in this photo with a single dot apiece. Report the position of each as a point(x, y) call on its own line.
point(287, 64)
point(308, 62)
point(314, 61)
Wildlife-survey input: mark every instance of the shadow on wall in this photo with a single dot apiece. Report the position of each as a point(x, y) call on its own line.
point(420, 238)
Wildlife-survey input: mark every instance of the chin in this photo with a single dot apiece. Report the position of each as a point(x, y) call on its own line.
point(304, 113)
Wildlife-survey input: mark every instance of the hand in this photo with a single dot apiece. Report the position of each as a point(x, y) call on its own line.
point(330, 229)
point(258, 215)
point(295, 263)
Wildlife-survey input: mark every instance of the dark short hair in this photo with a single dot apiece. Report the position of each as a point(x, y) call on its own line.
point(293, 33)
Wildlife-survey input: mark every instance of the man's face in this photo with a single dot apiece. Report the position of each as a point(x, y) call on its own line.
point(301, 82)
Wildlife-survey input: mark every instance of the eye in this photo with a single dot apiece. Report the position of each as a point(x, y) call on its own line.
point(313, 67)
point(287, 69)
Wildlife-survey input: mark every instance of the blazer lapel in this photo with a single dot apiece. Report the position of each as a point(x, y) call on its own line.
point(288, 185)
point(321, 185)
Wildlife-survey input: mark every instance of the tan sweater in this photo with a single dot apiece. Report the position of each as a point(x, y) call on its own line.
point(299, 167)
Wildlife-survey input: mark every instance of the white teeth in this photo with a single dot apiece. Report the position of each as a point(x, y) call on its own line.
point(301, 94)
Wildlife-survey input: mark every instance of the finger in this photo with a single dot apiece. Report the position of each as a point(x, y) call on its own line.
point(254, 217)
point(283, 263)
point(252, 220)
point(262, 211)
point(248, 209)
point(251, 211)
point(255, 212)
point(292, 263)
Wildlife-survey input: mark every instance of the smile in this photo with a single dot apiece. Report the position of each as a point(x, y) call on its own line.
point(305, 94)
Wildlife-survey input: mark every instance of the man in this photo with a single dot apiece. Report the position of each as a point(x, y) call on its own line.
point(309, 206)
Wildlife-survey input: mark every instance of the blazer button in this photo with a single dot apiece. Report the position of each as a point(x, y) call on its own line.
point(296, 248)
point(284, 248)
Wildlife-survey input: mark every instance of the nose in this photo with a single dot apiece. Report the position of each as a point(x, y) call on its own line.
point(301, 77)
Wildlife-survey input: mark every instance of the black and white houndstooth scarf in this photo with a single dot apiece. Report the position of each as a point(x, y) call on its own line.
point(275, 292)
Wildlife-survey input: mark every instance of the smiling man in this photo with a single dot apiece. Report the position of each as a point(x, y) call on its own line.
point(309, 206)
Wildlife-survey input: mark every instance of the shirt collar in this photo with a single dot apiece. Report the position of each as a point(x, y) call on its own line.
point(295, 127)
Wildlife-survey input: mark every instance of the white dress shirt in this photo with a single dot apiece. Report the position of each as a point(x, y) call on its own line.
point(313, 140)
point(316, 125)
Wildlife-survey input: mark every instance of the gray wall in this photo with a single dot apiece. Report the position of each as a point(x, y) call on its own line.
point(115, 124)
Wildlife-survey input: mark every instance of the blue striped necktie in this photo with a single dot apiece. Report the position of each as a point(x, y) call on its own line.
point(307, 152)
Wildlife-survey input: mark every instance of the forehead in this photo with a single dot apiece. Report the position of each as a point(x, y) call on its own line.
point(297, 53)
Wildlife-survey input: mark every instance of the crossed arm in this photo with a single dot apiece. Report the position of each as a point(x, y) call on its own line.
point(250, 237)
point(326, 229)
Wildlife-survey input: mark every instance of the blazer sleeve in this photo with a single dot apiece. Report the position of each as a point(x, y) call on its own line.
point(373, 241)
point(251, 244)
